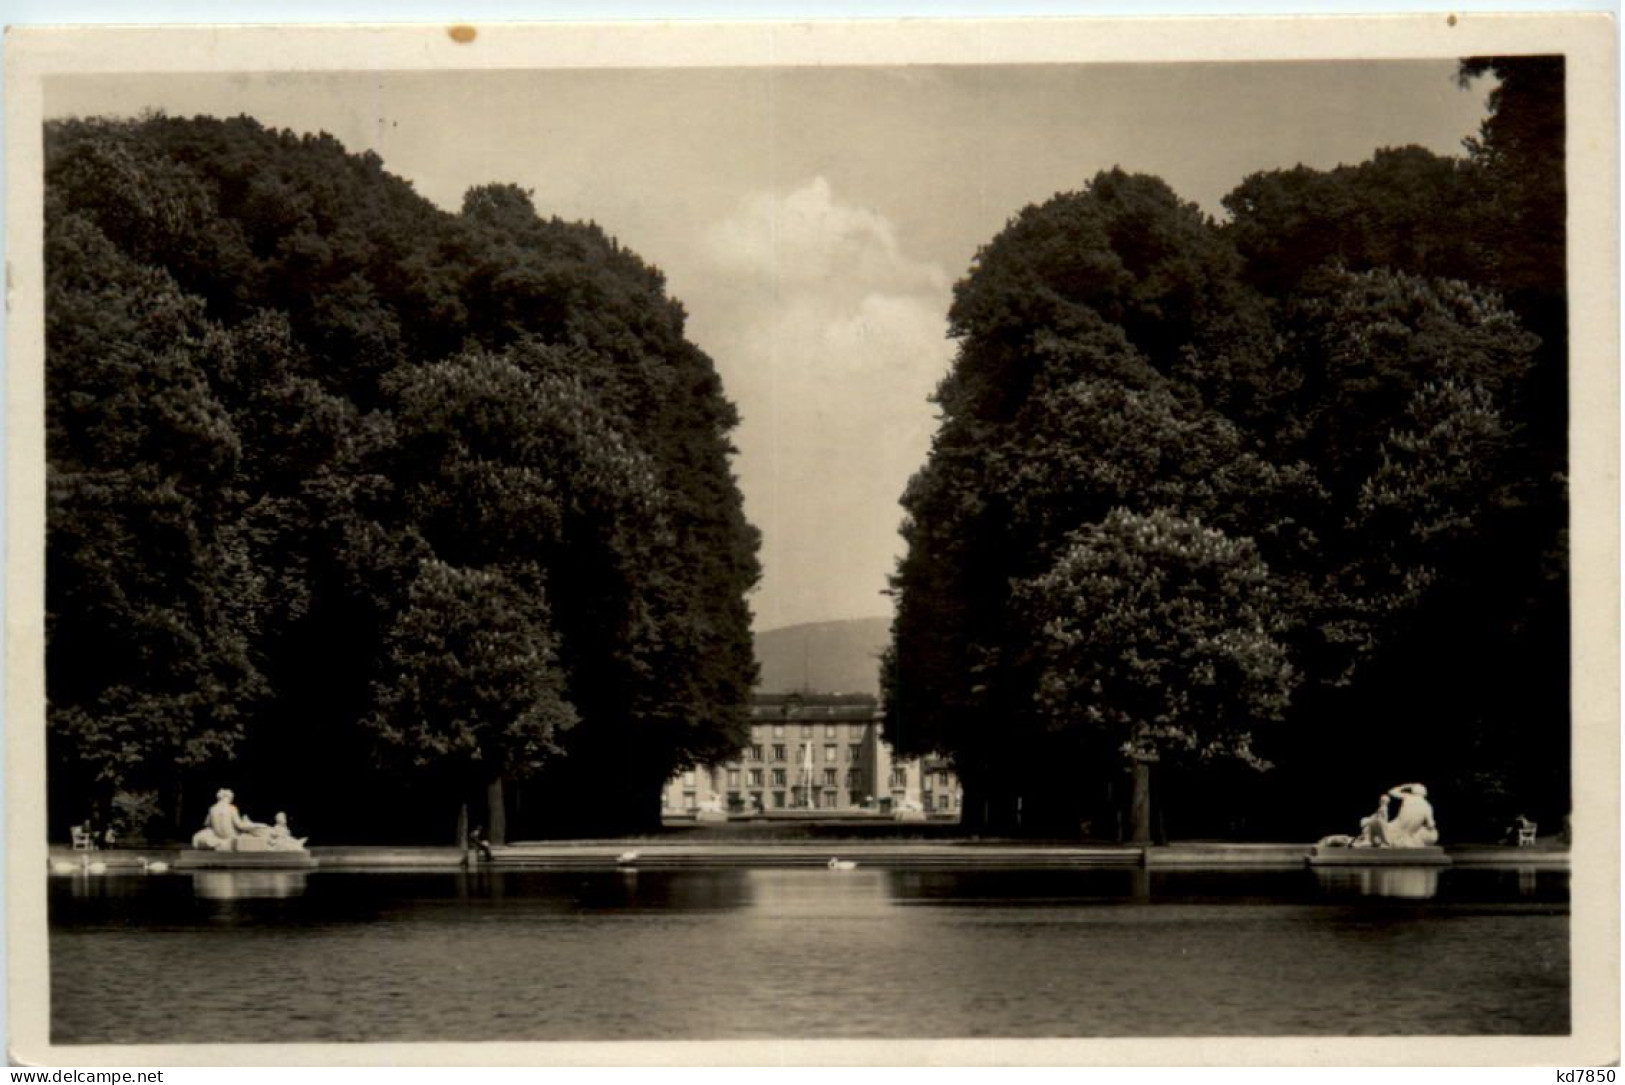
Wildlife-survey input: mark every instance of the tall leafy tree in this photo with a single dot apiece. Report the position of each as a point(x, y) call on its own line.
point(1300, 380)
point(320, 386)
point(470, 690)
point(151, 594)
point(1156, 637)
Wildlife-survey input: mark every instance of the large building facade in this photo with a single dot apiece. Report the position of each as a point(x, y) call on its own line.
point(811, 754)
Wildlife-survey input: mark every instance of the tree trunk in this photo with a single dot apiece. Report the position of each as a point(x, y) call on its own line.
point(1140, 803)
point(970, 809)
point(1140, 883)
point(496, 812)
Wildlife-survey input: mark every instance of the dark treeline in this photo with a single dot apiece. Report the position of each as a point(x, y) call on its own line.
point(1230, 526)
point(366, 509)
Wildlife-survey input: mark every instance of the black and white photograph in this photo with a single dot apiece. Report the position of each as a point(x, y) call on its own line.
point(910, 541)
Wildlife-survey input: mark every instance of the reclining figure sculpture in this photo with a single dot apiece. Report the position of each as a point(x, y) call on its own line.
point(226, 829)
point(1411, 826)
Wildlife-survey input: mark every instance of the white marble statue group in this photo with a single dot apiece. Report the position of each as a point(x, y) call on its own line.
point(226, 829)
point(1410, 826)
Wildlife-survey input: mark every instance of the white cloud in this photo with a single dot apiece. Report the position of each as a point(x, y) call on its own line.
point(830, 339)
point(809, 239)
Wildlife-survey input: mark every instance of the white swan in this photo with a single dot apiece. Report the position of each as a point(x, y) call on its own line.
point(842, 864)
point(62, 866)
point(627, 857)
point(98, 867)
point(148, 867)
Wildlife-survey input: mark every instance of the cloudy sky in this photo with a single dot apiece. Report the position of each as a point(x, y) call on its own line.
point(814, 220)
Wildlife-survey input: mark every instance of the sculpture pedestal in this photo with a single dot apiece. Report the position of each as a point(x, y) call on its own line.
point(245, 860)
point(1320, 856)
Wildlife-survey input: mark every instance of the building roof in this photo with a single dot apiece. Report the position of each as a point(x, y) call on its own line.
point(812, 707)
point(814, 714)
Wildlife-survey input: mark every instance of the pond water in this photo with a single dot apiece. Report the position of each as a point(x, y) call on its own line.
point(733, 954)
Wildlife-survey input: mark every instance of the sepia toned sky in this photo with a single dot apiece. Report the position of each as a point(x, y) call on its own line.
point(814, 220)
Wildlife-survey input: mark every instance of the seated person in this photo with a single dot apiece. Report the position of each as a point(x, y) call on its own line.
point(478, 843)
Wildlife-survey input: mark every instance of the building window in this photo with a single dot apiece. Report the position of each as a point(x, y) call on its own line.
point(854, 752)
point(733, 779)
point(778, 779)
point(688, 778)
point(829, 752)
point(829, 777)
point(778, 730)
point(689, 802)
point(778, 751)
point(778, 800)
point(858, 730)
point(755, 753)
point(899, 777)
point(829, 730)
point(806, 730)
point(755, 777)
point(851, 778)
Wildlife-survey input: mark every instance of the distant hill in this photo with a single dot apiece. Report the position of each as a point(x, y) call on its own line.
point(825, 657)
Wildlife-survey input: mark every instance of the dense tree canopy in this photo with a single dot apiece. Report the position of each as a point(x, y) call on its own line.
point(1155, 636)
point(1311, 448)
point(442, 495)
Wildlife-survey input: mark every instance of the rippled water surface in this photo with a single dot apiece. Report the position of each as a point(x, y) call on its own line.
point(728, 954)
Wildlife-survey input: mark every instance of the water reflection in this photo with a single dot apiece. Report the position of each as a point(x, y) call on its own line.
point(93, 886)
point(1410, 883)
point(797, 952)
point(248, 884)
point(1040, 888)
point(820, 892)
point(589, 890)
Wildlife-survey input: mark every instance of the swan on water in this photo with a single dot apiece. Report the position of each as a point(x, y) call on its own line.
point(842, 864)
point(627, 857)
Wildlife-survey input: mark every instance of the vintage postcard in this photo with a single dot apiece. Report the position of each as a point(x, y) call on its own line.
point(1071, 541)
